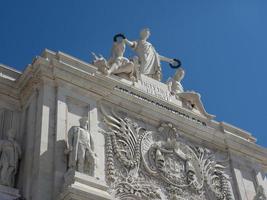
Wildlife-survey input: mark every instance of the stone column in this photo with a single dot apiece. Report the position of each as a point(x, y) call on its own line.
point(43, 166)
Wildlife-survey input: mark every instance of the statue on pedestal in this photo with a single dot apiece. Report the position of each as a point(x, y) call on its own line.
point(10, 153)
point(81, 149)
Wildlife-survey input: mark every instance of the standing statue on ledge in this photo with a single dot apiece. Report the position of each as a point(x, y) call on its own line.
point(149, 58)
point(81, 149)
point(10, 153)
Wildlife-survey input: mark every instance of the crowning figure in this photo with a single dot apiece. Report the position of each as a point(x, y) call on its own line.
point(81, 148)
point(10, 153)
point(149, 58)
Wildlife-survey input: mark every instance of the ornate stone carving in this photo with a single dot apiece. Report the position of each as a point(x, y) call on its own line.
point(10, 153)
point(260, 194)
point(159, 164)
point(80, 149)
point(190, 99)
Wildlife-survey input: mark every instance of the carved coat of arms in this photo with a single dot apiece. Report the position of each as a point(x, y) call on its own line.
point(143, 164)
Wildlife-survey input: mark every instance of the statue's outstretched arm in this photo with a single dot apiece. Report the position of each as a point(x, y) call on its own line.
point(163, 58)
point(130, 43)
point(173, 62)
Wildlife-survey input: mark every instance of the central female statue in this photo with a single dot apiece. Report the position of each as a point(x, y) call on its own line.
point(149, 59)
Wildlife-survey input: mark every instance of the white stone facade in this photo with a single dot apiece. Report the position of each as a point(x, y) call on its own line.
point(148, 144)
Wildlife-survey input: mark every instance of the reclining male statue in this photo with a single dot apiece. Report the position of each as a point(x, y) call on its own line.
point(190, 98)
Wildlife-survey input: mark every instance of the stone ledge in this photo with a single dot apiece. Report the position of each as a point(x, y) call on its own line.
point(79, 186)
point(8, 193)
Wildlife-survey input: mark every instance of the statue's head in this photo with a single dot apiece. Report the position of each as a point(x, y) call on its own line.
point(191, 175)
point(160, 161)
point(118, 49)
point(11, 134)
point(179, 75)
point(84, 122)
point(144, 33)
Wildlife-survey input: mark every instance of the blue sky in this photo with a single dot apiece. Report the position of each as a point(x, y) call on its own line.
point(222, 44)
